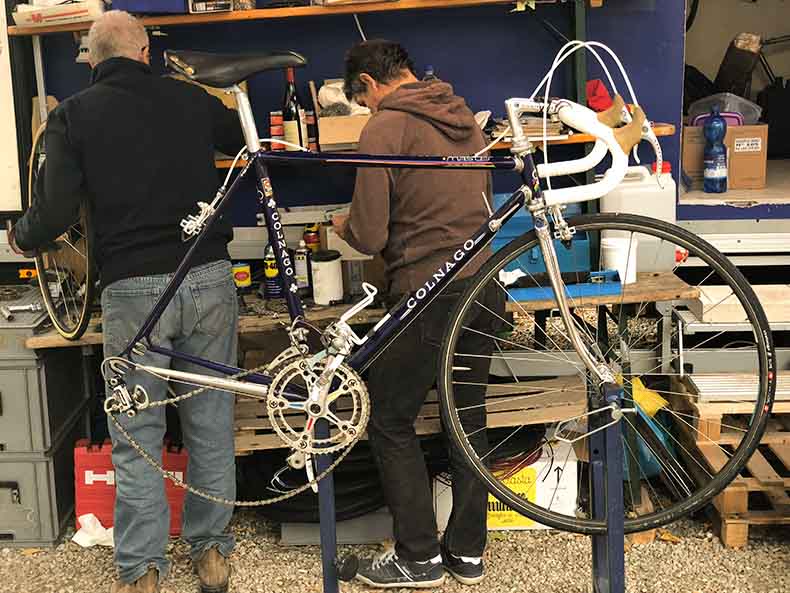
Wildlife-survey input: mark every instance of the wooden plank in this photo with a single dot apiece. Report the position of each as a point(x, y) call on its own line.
point(722, 408)
point(782, 452)
point(732, 387)
point(720, 305)
point(734, 438)
point(661, 129)
point(266, 14)
point(759, 467)
point(649, 287)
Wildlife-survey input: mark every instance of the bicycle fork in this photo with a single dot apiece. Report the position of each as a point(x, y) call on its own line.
point(599, 370)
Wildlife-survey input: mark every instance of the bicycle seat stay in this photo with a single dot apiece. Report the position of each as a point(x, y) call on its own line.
point(222, 70)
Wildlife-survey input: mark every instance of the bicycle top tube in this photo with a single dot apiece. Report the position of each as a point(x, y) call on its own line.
point(504, 163)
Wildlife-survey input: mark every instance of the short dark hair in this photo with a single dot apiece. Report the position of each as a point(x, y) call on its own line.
point(383, 60)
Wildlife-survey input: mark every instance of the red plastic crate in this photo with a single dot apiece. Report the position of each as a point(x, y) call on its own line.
point(94, 481)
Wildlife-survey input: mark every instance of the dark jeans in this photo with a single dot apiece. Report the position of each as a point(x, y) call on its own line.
point(399, 381)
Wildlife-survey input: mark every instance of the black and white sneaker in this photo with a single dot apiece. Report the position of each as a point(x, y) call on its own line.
point(388, 571)
point(465, 570)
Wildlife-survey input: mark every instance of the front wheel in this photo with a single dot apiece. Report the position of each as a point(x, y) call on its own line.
point(522, 420)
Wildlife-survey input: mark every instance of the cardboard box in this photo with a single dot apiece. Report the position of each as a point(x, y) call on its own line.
point(340, 132)
point(540, 483)
point(747, 154)
point(27, 15)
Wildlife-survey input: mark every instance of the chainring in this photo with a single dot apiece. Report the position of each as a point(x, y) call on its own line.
point(347, 409)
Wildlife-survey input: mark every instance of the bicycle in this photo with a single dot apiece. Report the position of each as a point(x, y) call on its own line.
point(570, 329)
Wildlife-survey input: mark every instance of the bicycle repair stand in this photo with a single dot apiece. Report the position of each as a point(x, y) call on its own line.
point(606, 493)
point(326, 515)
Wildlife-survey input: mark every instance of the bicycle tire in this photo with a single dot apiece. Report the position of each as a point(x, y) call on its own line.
point(68, 290)
point(635, 224)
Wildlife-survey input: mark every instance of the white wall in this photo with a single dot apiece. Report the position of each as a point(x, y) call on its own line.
point(719, 21)
point(10, 196)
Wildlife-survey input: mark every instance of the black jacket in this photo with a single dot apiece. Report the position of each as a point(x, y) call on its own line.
point(139, 149)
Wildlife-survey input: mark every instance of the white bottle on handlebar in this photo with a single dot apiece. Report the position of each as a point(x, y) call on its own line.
point(639, 193)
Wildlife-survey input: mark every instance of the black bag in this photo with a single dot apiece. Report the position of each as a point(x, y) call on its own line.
point(774, 100)
point(695, 86)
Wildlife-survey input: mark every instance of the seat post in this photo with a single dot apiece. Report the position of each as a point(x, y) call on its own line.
point(247, 119)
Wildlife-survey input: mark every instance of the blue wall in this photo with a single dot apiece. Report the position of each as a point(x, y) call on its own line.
point(488, 54)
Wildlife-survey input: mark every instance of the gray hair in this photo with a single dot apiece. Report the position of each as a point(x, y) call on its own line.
point(116, 34)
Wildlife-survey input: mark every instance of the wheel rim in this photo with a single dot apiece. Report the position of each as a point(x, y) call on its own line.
point(64, 267)
point(519, 347)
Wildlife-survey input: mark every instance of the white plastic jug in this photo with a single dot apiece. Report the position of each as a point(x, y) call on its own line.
point(639, 193)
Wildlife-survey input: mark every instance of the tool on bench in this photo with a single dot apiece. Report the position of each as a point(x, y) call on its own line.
point(9, 310)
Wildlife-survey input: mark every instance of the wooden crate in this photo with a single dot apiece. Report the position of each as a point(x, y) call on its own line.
point(761, 494)
point(543, 402)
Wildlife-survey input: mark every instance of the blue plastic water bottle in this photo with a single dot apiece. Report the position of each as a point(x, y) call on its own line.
point(715, 175)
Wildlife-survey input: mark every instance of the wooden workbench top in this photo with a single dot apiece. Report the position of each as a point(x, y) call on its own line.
point(251, 323)
point(649, 287)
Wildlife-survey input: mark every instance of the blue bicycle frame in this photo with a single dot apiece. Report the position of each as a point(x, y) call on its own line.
point(380, 336)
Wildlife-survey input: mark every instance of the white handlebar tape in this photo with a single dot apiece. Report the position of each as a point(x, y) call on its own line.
point(585, 120)
point(576, 166)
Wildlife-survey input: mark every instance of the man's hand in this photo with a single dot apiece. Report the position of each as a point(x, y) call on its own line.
point(340, 224)
point(15, 248)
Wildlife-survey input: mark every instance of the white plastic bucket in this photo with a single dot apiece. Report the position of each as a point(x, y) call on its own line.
point(327, 278)
point(619, 253)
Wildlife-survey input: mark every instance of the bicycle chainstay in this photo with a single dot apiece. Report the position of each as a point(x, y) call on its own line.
point(149, 459)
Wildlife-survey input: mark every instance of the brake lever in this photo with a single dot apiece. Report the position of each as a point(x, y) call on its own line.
point(649, 134)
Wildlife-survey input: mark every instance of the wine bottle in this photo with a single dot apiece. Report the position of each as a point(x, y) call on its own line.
point(295, 127)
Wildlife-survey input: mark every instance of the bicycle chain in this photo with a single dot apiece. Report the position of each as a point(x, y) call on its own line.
point(205, 495)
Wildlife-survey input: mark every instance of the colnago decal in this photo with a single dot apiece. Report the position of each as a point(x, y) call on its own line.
point(279, 241)
point(438, 275)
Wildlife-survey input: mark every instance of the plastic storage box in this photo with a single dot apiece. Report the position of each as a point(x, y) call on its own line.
point(751, 112)
point(94, 482)
point(573, 259)
point(151, 6)
point(37, 492)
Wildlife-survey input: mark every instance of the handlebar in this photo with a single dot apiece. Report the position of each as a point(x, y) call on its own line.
point(617, 141)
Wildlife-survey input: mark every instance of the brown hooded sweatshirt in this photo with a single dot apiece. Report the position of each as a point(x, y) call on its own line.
point(417, 218)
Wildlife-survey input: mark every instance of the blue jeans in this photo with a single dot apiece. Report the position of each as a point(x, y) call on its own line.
point(201, 320)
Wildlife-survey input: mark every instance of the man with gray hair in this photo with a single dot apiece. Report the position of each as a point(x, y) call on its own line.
point(138, 149)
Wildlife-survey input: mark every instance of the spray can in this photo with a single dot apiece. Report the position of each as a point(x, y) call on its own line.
point(311, 238)
point(272, 283)
point(302, 268)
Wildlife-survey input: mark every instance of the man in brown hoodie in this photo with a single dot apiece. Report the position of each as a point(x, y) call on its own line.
point(417, 219)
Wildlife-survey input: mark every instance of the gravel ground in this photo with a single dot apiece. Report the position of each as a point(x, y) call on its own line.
point(542, 561)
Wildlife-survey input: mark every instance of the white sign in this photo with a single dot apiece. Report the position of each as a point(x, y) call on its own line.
point(748, 144)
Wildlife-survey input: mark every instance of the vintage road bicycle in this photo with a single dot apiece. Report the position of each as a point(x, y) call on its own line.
point(567, 327)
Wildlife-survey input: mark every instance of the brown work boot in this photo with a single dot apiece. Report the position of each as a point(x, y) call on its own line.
point(148, 583)
point(213, 570)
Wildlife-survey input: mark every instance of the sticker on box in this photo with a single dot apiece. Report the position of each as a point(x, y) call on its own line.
point(748, 145)
point(550, 483)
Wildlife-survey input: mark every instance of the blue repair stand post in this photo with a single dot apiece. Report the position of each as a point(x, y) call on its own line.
point(606, 493)
point(326, 514)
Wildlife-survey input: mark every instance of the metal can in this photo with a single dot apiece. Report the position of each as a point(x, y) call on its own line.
point(312, 238)
point(272, 283)
point(242, 276)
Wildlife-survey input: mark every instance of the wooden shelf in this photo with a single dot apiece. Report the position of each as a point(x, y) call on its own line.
point(266, 13)
point(776, 191)
point(660, 130)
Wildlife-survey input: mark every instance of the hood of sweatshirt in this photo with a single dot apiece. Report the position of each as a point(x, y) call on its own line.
point(435, 102)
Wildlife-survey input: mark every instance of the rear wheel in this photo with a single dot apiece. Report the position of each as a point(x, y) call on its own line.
point(65, 267)
point(538, 394)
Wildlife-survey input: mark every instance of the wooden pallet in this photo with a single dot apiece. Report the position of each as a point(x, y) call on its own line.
point(761, 494)
point(543, 402)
